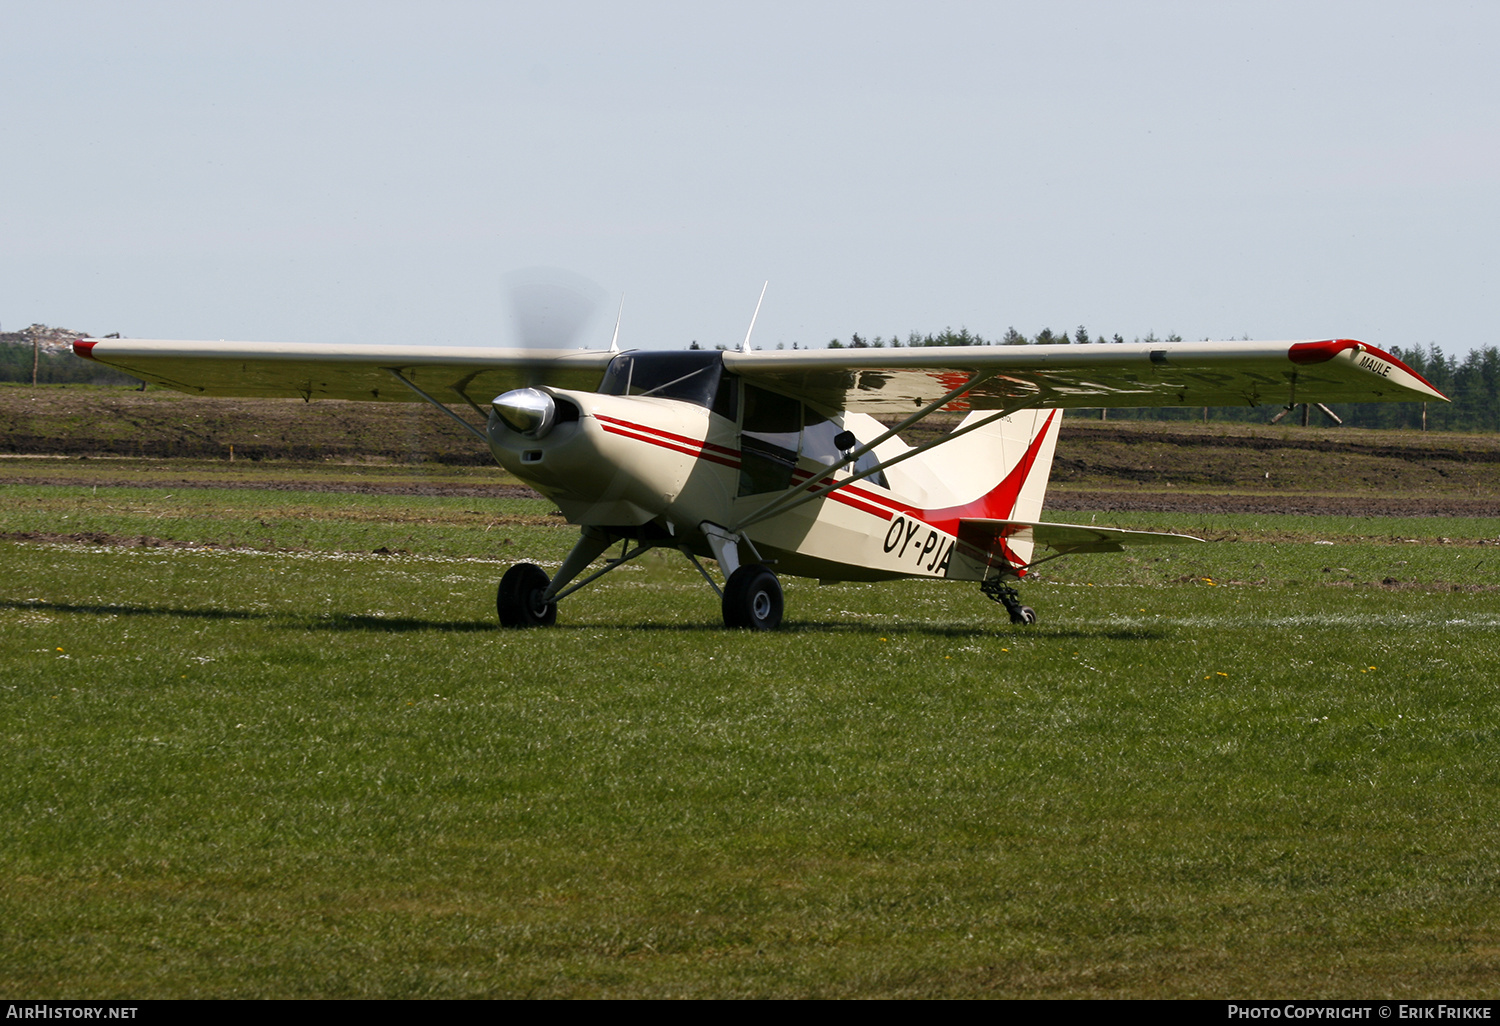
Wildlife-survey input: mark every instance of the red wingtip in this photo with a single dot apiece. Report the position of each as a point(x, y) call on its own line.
point(1318, 352)
point(84, 348)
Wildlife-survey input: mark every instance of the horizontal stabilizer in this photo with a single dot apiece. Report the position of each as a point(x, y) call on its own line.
point(1064, 538)
point(1000, 543)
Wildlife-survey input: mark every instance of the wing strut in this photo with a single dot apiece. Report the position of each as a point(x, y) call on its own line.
point(469, 427)
point(806, 497)
point(796, 496)
point(807, 491)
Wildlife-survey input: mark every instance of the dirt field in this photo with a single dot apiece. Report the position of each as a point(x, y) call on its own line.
point(114, 437)
point(86, 420)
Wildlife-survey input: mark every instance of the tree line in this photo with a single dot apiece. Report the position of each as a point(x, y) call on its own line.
point(965, 337)
point(55, 367)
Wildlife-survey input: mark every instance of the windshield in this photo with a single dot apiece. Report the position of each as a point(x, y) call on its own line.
point(692, 376)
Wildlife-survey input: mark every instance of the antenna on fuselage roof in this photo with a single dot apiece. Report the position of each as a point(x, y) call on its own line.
point(745, 347)
point(614, 343)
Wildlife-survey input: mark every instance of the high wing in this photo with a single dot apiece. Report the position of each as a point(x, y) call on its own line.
point(875, 381)
point(311, 371)
point(889, 381)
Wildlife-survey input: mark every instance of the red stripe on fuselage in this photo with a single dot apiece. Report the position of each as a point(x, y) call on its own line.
point(685, 448)
point(864, 507)
point(858, 498)
point(671, 436)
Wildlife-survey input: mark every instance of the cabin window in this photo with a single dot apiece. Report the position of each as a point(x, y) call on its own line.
point(727, 400)
point(776, 431)
point(769, 441)
point(818, 434)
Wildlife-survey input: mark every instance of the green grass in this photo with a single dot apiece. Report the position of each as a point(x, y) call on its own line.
point(247, 518)
point(323, 772)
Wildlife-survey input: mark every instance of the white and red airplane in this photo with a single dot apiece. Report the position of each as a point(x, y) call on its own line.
point(774, 462)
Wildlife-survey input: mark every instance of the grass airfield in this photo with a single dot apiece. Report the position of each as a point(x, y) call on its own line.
point(289, 766)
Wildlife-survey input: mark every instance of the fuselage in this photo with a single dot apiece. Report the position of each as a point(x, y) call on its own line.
point(671, 442)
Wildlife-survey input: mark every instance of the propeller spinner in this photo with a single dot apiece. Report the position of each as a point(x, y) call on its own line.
point(527, 410)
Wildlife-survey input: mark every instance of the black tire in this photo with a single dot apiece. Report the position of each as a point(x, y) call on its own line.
point(519, 598)
point(1028, 615)
point(752, 599)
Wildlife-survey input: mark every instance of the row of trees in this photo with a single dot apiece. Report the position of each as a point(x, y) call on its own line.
point(55, 367)
point(1473, 383)
point(965, 337)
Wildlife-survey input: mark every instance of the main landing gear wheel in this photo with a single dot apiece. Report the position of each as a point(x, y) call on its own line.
point(519, 598)
point(752, 599)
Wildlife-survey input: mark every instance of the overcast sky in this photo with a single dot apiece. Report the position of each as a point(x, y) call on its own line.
point(331, 172)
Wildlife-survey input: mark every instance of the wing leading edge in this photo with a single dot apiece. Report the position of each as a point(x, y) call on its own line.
point(886, 381)
point(309, 371)
point(877, 381)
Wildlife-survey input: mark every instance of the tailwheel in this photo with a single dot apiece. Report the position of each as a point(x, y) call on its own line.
point(1010, 598)
point(519, 598)
point(752, 599)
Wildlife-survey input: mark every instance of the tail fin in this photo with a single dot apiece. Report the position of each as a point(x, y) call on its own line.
point(1019, 447)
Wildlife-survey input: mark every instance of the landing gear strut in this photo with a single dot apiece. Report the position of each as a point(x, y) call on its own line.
point(997, 590)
